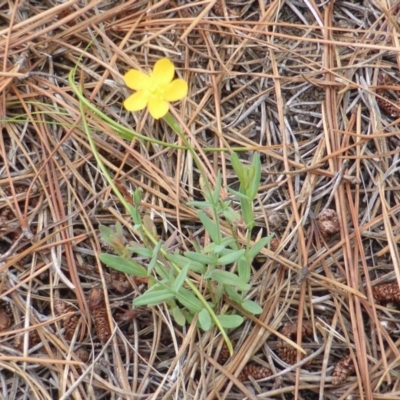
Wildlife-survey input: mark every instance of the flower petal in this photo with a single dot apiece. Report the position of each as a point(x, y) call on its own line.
point(158, 108)
point(163, 72)
point(137, 101)
point(176, 90)
point(137, 80)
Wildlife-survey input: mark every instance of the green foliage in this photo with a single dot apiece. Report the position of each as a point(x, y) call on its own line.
point(224, 265)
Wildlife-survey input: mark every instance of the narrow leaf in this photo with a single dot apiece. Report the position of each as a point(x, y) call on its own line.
point(205, 320)
point(210, 226)
point(244, 270)
point(228, 278)
point(202, 258)
point(180, 260)
point(233, 294)
point(153, 297)
point(189, 300)
point(199, 204)
point(181, 277)
point(178, 316)
point(154, 258)
point(217, 190)
point(239, 195)
point(123, 265)
point(230, 258)
point(140, 250)
point(230, 321)
point(258, 246)
point(237, 166)
point(256, 179)
point(252, 307)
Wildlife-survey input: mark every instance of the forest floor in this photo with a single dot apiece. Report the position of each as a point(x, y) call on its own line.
point(311, 87)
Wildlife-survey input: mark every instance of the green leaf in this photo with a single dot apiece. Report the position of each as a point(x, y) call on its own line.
point(181, 277)
point(162, 271)
point(123, 265)
point(230, 258)
point(238, 167)
point(180, 260)
point(199, 204)
point(106, 233)
point(247, 212)
point(218, 291)
point(252, 307)
point(188, 315)
point(202, 258)
point(231, 216)
point(258, 246)
point(189, 300)
point(178, 316)
point(153, 296)
point(256, 179)
point(230, 321)
point(210, 227)
point(217, 190)
point(140, 250)
point(154, 258)
point(244, 270)
point(239, 195)
point(219, 248)
point(229, 242)
point(228, 278)
point(205, 320)
point(233, 294)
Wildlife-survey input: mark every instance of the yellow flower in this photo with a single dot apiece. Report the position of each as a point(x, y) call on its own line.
point(155, 90)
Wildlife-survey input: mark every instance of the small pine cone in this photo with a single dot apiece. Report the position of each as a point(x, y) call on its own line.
point(223, 355)
point(219, 8)
point(274, 244)
point(384, 103)
point(82, 354)
point(119, 281)
point(328, 222)
point(389, 292)
point(69, 323)
point(290, 329)
point(287, 352)
point(274, 221)
point(34, 339)
point(97, 306)
point(344, 368)
point(256, 371)
point(5, 320)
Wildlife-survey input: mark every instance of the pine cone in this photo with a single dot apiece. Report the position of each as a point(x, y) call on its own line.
point(69, 323)
point(287, 352)
point(328, 222)
point(97, 306)
point(389, 292)
point(219, 8)
point(256, 371)
point(344, 368)
point(384, 103)
point(82, 354)
point(223, 355)
point(5, 320)
point(119, 281)
point(34, 339)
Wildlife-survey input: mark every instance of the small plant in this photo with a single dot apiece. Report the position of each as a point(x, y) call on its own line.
point(224, 265)
point(193, 284)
